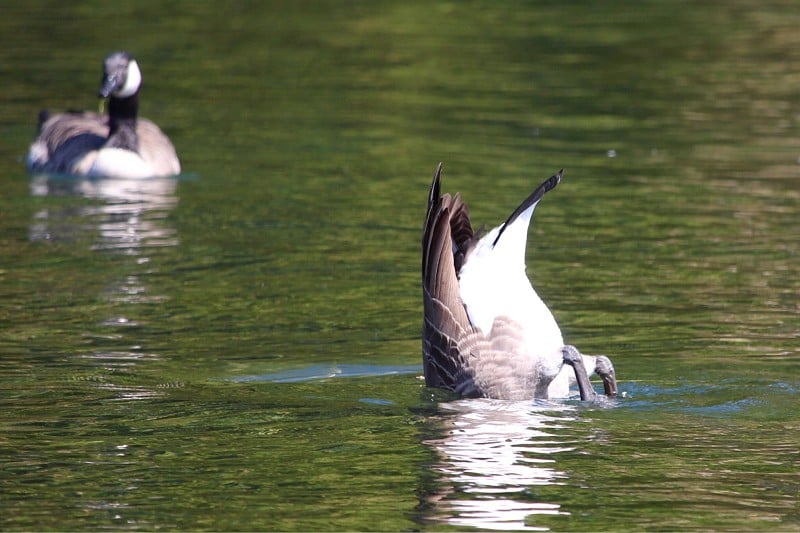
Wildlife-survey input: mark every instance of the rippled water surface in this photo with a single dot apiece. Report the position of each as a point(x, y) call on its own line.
point(238, 348)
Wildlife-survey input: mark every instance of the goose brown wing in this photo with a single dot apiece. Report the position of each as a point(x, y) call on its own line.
point(65, 138)
point(445, 322)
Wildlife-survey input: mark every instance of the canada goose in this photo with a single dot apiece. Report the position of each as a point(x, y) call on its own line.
point(486, 333)
point(117, 145)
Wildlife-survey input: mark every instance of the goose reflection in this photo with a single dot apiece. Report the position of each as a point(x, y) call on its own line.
point(130, 217)
point(492, 454)
point(127, 218)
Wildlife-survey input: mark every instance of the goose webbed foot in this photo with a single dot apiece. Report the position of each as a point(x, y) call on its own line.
point(573, 358)
point(605, 369)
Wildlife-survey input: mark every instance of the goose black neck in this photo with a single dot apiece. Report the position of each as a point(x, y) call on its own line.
point(122, 122)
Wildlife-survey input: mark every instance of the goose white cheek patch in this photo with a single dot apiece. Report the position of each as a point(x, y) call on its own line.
point(133, 80)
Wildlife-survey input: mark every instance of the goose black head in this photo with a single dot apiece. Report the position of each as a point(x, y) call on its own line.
point(121, 76)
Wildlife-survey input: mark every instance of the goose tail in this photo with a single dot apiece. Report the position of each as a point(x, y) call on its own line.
point(525, 209)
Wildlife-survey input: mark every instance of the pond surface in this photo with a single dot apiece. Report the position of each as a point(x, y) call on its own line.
point(239, 348)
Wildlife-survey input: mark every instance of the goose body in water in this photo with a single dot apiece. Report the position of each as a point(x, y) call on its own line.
point(117, 145)
point(486, 333)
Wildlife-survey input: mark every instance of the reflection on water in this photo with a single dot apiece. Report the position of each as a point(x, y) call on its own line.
point(493, 454)
point(121, 217)
point(130, 218)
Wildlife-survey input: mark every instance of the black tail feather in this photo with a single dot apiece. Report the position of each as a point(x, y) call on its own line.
point(535, 196)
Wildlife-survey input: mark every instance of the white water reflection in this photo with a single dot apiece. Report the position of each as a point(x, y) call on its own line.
point(120, 216)
point(493, 456)
point(127, 219)
point(130, 216)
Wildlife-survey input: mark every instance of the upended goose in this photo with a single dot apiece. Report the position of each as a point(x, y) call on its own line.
point(118, 145)
point(486, 333)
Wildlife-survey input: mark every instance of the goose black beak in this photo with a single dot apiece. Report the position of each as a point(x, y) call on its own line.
point(107, 86)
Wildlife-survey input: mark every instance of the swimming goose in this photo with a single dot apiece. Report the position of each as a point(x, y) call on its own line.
point(118, 145)
point(486, 333)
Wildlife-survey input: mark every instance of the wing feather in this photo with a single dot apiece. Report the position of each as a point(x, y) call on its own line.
point(456, 355)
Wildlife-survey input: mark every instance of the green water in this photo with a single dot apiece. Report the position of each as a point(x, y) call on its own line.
point(239, 348)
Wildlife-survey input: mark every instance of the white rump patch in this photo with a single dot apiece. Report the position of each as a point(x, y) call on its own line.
point(120, 163)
